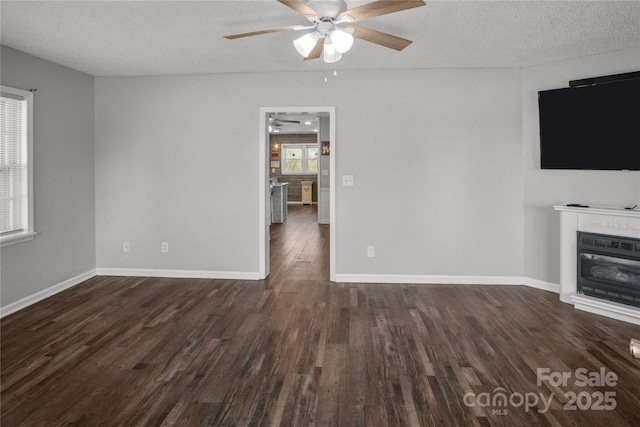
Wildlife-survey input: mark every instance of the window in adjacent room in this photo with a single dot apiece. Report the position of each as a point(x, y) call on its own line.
point(299, 159)
point(16, 166)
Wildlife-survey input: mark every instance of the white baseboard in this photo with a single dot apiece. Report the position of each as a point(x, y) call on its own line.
point(45, 293)
point(429, 279)
point(541, 284)
point(136, 272)
point(448, 280)
point(240, 275)
point(190, 274)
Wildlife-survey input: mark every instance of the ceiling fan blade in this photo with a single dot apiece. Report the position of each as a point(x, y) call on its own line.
point(317, 50)
point(377, 37)
point(299, 7)
point(380, 7)
point(257, 33)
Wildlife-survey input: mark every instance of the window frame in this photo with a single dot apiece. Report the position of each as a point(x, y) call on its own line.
point(305, 160)
point(28, 231)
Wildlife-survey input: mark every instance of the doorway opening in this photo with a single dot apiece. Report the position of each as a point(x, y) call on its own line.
point(326, 172)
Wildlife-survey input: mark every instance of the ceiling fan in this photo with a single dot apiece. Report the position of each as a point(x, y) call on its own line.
point(276, 123)
point(333, 28)
point(280, 121)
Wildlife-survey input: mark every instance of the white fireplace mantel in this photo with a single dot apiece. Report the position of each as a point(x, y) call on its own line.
point(594, 219)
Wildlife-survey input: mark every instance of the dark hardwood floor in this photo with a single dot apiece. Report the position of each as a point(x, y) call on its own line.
point(299, 350)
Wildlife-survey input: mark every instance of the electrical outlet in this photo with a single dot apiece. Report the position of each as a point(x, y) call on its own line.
point(371, 251)
point(347, 181)
point(125, 247)
point(164, 247)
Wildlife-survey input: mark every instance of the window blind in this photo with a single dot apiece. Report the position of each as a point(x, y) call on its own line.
point(13, 163)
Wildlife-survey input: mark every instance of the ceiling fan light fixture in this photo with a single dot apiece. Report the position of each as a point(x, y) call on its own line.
point(329, 38)
point(342, 40)
point(305, 44)
point(330, 54)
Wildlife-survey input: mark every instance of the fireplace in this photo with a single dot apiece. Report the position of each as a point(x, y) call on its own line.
point(609, 267)
point(611, 238)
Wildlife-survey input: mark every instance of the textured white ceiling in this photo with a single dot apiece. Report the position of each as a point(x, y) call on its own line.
point(122, 38)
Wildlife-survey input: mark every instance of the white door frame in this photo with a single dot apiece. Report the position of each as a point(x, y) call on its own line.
point(264, 210)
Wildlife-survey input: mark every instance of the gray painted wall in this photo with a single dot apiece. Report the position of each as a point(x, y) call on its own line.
point(544, 188)
point(445, 166)
point(64, 196)
point(435, 154)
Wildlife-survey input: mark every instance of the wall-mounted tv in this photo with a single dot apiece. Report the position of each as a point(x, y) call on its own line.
point(594, 126)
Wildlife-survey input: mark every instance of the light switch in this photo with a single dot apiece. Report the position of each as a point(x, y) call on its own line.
point(347, 180)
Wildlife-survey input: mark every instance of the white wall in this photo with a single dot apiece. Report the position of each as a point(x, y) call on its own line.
point(544, 188)
point(63, 178)
point(436, 156)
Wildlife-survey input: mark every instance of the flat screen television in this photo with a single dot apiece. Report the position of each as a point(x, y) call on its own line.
point(594, 127)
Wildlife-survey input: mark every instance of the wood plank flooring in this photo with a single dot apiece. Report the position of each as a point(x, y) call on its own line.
point(298, 350)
